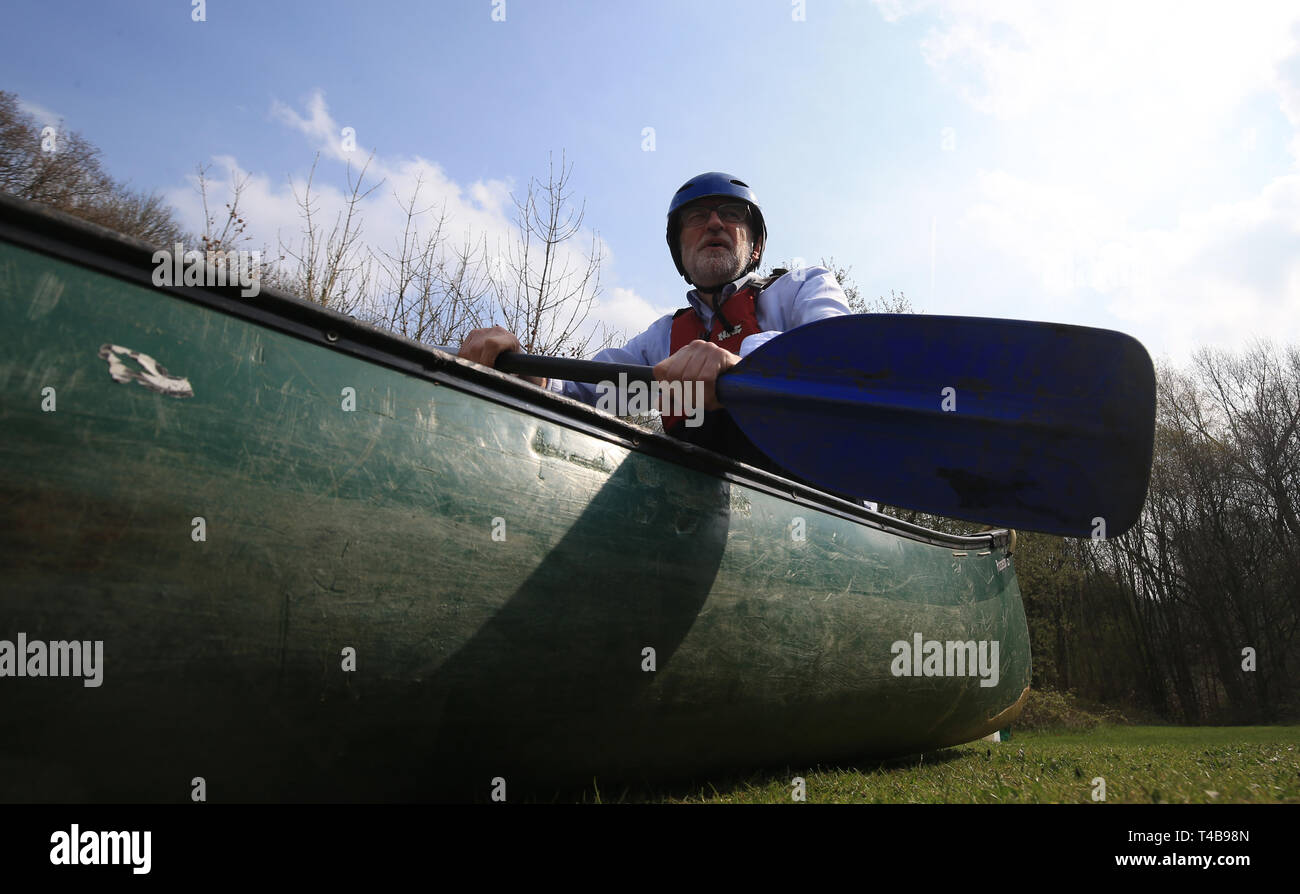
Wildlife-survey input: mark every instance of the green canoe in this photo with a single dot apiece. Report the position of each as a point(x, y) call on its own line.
point(251, 541)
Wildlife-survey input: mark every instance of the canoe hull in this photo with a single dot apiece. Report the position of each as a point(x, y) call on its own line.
point(326, 577)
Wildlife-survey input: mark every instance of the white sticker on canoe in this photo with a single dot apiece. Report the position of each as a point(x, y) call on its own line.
point(152, 374)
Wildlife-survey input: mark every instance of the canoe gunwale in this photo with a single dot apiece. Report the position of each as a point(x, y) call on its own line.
point(70, 239)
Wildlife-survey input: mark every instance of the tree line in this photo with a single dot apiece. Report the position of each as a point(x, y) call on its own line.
point(62, 170)
point(1192, 615)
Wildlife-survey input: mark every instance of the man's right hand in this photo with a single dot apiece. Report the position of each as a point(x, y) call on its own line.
point(485, 345)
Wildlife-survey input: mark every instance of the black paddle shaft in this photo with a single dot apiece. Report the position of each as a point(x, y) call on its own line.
point(591, 371)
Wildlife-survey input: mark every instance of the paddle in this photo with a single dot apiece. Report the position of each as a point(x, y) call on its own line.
point(1032, 425)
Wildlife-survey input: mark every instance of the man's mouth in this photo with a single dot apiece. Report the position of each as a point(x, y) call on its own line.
point(716, 243)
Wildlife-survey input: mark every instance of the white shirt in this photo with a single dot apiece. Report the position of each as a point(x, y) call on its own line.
point(798, 297)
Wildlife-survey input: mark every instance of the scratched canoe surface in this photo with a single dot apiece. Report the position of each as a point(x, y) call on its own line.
point(499, 559)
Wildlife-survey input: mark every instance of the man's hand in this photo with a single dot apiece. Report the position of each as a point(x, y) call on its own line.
point(485, 345)
point(700, 361)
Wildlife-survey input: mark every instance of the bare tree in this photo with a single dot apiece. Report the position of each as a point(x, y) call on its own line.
point(896, 303)
point(232, 224)
point(62, 170)
point(428, 286)
point(144, 215)
point(431, 292)
point(544, 295)
point(332, 269)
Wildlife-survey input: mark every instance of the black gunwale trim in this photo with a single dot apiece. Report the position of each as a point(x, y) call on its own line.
point(71, 239)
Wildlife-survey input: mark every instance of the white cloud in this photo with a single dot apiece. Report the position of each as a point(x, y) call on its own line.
point(1022, 57)
point(1125, 126)
point(44, 116)
point(625, 311)
point(1227, 273)
point(319, 127)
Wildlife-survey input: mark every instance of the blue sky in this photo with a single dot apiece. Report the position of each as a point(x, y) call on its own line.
point(1125, 165)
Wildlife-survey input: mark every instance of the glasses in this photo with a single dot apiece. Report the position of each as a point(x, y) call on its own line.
point(730, 213)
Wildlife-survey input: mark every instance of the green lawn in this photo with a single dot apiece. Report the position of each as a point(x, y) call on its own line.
point(1140, 764)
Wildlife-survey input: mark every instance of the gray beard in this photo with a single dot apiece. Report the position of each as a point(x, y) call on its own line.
point(721, 269)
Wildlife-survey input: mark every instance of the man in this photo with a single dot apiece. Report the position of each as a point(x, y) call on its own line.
point(716, 234)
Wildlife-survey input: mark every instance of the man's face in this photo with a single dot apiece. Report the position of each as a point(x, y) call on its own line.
point(715, 251)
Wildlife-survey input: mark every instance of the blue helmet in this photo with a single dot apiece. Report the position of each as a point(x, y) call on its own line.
point(714, 183)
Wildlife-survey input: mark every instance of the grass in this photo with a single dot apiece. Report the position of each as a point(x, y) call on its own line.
point(1140, 764)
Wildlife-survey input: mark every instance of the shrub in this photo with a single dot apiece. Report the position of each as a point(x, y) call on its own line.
point(1049, 709)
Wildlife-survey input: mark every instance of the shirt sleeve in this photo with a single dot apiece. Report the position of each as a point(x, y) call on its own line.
point(801, 296)
point(646, 349)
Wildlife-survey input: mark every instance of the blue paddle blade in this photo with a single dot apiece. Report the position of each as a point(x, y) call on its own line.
point(1038, 426)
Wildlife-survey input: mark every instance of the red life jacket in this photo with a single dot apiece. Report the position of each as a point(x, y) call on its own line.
point(734, 321)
